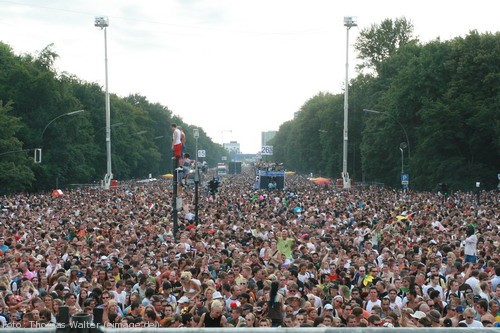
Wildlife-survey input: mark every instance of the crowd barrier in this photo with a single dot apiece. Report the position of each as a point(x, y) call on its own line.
point(310, 330)
point(91, 328)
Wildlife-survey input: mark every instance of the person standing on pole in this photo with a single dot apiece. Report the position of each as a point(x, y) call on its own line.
point(176, 144)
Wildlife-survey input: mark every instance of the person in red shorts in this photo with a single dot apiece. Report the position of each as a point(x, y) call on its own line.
point(176, 144)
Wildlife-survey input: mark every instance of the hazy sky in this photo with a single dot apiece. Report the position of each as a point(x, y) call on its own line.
point(233, 67)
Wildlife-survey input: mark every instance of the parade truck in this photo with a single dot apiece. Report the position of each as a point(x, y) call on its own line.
point(221, 169)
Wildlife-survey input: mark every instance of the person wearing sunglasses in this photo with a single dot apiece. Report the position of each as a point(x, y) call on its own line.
point(469, 320)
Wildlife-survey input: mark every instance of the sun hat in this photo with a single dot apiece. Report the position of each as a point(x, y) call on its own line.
point(217, 295)
point(418, 314)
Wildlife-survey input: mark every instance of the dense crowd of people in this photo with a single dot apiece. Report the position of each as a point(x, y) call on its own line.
point(305, 256)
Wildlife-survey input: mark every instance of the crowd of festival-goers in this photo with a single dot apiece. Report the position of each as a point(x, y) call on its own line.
point(304, 256)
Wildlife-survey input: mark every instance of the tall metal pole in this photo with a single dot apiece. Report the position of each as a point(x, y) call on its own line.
point(402, 160)
point(174, 198)
point(196, 134)
point(109, 174)
point(349, 22)
point(103, 22)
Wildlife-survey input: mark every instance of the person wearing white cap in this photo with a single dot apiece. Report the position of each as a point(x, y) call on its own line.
point(327, 310)
point(105, 261)
point(183, 300)
point(217, 295)
point(183, 306)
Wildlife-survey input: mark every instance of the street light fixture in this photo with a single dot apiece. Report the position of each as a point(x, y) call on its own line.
point(398, 122)
point(103, 22)
point(349, 22)
point(72, 113)
point(38, 151)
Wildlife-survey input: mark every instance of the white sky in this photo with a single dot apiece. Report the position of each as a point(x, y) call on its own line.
point(233, 67)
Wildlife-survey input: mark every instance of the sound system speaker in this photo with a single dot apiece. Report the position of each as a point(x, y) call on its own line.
point(234, 168)
point(276, 177)
point(97, 312)
point(63, 315)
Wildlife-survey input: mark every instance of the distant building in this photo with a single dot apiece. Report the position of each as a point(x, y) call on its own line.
point(266, 137)
point(232, 147)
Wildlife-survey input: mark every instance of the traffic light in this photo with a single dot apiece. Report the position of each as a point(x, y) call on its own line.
point(38, 155)
point(214, 186)
point(443, 188)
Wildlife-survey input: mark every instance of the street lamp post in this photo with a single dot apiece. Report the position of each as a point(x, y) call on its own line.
point(103, 22)
point(349, 22)
point(398, 122)
point(402, 147)
point(72, 113)
point(196, 134)
point(404, 178)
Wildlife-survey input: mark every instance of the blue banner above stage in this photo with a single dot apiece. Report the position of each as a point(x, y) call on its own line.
point(265, 173)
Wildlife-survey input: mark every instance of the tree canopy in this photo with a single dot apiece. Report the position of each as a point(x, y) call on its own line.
point(380, 41)
point(34, 104)
point(441, 99)
point(443, 95)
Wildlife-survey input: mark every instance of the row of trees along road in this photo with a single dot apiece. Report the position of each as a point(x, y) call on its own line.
point(445, 94)
point(32, 94)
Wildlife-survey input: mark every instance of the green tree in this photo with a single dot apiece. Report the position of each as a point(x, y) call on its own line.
point(380, 41)
point(446, 95)
point(15, 162)
point(312, 142)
